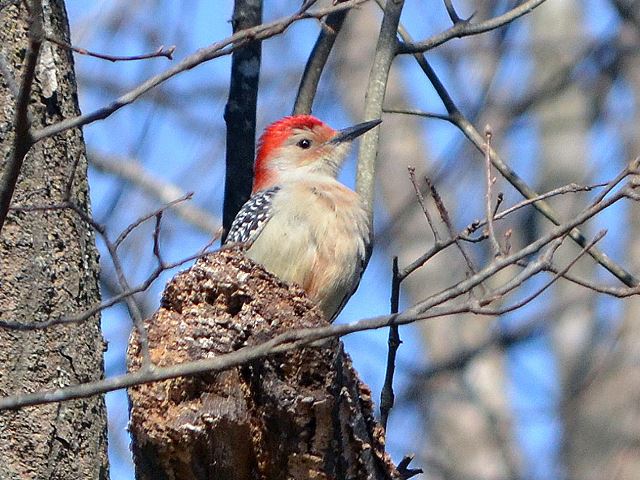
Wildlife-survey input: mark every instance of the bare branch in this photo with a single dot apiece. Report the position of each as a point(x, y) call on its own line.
point(132, 306)
point(504, 261)
point(386, 395)
point(317, 61)
point(630, 169)
point(156, 240)
point(462, 29)
point(126, 291)
point(489, 180)
point(456, 117)
point(444, 215)
point(419, 113)
point(559, 274)
point(420, 197)
point(134, 173)
point(453, 15)
point(218, 49)
point(570, 188)
point(442, 245)
point(429, 308)
point(161, 51)
point(23, 138)
point(132, 226)
point(385, 53)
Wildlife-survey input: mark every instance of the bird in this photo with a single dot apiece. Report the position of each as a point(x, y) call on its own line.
point(300, 222)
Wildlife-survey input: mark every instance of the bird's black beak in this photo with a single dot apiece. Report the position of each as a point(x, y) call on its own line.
point(348, 134)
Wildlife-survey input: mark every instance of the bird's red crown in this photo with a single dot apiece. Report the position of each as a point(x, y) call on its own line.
point(272, 138)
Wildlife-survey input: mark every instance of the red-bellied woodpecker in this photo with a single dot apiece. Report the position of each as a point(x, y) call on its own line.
point(300, 223)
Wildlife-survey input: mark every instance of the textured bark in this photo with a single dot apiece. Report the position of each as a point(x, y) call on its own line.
point(49, 268)
point(300, 415)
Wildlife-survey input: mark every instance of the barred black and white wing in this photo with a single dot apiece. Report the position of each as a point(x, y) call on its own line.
point(252, 217)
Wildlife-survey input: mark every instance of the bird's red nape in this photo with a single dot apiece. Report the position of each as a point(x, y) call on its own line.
point(272, 138)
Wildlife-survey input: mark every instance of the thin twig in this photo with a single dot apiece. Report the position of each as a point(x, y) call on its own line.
point(439, 246)
point(466, 28)
point(317, 61)
point(112, 248)
point(553, 279)
point(631, 168)
point(444, 215)
point(420, 197)
point(418, 113)
point(386, 395)
point(132, 226)
point(162, 51)
point(132, 306)
point(499, 200)
point(453, 15)
point(570, 188)
point(495, 246)
point(156, 240)
point(456, 117)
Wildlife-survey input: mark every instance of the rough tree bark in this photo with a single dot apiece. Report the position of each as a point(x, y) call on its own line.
point(49, 268)
point(301, 415)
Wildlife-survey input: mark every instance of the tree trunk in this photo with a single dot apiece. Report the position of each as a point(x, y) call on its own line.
point(49, 268)
point(603, 418)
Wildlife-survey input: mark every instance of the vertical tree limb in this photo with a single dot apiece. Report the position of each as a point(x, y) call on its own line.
point(316, 62)
point(385, 53)
point(240, 113)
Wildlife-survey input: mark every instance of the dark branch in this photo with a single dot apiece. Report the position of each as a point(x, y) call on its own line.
point(240, 113)
point(23, 138)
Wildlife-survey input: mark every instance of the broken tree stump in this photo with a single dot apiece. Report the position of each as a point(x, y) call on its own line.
point(299, 415)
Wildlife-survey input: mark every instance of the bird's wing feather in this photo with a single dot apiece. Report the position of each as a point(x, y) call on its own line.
point(252, 217)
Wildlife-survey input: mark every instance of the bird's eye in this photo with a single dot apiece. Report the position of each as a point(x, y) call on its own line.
point(304, 143)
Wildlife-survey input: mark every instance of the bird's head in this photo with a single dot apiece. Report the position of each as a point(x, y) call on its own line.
point(302, 144)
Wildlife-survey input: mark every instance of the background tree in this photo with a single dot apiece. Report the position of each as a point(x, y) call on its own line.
point(48, 257)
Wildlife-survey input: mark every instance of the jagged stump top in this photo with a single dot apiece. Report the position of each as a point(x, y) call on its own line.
point(299, 415)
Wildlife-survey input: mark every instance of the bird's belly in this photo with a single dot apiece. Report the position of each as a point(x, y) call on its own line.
point(316, 247)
